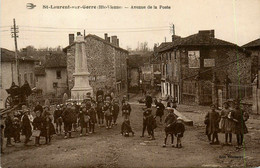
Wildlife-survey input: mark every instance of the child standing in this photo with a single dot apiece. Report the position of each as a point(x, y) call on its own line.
point(126, 109)
point(37, 126)
point(213, 125)
point(108, 114)
point(48, 129)
point(8, 132)
point(17, 130)
point(115, 110)
point(93, 119)
point(226, 123)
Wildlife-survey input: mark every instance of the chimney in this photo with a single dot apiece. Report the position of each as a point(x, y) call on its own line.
point(208, 33)
point(117, 42)
point(78, 34)
point(106, 36)
point(114, 40)
point(174, 37)
point(108, 39)
point(71, 38)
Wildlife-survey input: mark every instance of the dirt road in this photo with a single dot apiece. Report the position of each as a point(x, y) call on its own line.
point(107, 148)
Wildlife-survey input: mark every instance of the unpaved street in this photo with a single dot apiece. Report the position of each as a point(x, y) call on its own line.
point(107, 148)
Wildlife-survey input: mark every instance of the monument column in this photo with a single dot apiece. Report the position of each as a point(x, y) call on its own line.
point(81, 75)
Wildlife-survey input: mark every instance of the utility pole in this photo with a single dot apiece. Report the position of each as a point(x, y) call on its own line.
point(14, 31)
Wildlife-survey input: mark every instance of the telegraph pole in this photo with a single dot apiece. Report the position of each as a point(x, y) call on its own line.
point(14, 31)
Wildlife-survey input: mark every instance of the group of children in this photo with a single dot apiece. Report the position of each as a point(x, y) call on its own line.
point(23, 122)
point(231, 120)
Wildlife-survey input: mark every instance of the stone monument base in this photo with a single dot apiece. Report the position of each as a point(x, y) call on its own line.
point(81, 87)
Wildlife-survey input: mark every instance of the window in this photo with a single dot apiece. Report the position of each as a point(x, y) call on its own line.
point(55, 84)
point(58, 74)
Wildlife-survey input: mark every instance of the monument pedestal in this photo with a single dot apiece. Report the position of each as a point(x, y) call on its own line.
point(81, 75)
point(81, 86)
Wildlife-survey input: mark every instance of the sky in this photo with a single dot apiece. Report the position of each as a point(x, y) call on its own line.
point(236, 21)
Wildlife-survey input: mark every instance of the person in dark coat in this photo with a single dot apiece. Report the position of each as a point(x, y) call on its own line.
point(146, 114)
point(93, 118)
point(26, 127)
point(2, 137)
point(213, 125)
point(148, 101)
point(160, 109)
point(240, 117)
point(108, 114)
point(67, 117)
point(37, 125)
point(126, 128)
point(74, 117)
point(126, 110)
point(83, 119)
point(38, 107)
point(17, 129)
point(100, 113)
point(47, 129)
point(115, 110)
point(8, 132)
point(58, 119)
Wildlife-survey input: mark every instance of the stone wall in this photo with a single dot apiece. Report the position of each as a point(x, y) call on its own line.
point(228, 61)
point(106, 65)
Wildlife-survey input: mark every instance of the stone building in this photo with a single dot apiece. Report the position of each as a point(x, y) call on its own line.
point(9, 72)
point(202, 69)
point(106, 63)
point(254, 48)
point(51, 77)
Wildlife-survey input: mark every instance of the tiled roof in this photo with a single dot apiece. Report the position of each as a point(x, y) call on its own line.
point(198, 40)
point(100, 39)
point(9, 56)
point(255, 43)
point(56, 60)
point(39, 71)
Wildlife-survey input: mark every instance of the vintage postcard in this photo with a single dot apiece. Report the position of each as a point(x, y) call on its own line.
point(130, 83)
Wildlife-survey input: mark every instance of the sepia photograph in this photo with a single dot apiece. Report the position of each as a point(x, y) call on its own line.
point(129, 83)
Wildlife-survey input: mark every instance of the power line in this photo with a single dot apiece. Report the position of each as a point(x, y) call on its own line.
point(95, 28)
point(51, 31)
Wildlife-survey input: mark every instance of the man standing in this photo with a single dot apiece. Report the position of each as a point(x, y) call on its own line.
point(26, 127)
point(126, 110)
point(160, 109)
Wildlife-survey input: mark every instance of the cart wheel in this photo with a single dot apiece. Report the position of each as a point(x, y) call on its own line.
point(8, 102)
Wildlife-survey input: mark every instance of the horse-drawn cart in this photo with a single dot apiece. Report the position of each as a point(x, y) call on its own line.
point(17, 95)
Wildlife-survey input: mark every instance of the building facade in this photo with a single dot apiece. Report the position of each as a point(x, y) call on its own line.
point(9, 72)
point(106, 62)
point(201, 69)
point(254, 48)
point(51, 77)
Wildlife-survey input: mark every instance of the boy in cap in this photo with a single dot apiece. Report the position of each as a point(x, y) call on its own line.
point(108, 114)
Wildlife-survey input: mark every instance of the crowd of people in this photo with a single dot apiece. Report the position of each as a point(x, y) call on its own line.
point(231, 120)
point(40, 121)
point(103, 111)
